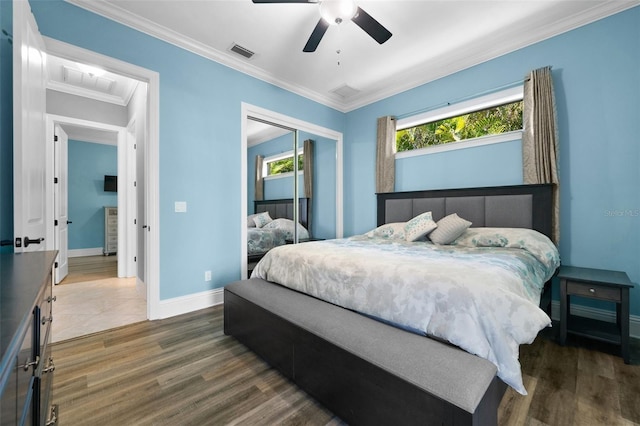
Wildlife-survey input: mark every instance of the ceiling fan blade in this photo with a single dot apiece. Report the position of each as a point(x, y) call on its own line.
point(285, 1)
point(316, 36)
point(371, 26)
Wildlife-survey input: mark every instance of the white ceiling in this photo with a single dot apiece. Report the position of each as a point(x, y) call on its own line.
point(431, 38)
point(77, 79)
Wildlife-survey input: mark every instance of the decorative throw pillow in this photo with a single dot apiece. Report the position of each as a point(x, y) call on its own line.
point(419, 226)
point(449, 228)
point(391, 231)
point(262, 219)
point(250, 222)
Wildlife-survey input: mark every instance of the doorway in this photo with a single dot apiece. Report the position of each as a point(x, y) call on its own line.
point(101, 291)
point(145, 203)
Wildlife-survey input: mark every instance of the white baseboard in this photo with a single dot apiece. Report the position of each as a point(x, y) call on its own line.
point(85, 252)
point(192, 302)
point(599, 314)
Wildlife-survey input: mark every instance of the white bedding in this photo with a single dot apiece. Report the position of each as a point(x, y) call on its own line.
point(481, 299)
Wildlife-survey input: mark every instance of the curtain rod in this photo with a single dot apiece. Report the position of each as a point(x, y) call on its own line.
point(466, 98)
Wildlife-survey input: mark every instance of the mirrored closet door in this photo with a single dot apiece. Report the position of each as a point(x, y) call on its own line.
point(286, 164)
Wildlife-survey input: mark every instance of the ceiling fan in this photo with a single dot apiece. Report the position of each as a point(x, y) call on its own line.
point(334, 12)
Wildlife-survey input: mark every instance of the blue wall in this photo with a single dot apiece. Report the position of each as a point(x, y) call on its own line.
point(88, 164)
point(199, 148)
point(595, 73)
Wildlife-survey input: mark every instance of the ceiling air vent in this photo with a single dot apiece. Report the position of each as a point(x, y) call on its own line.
point(236, 48)
point(345, 91)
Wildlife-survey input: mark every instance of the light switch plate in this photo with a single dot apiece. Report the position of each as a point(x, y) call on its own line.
point(181, 206)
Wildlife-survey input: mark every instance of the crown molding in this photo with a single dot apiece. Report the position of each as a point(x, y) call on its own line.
point(117, 14)
point(472, 56)
point(416, 77)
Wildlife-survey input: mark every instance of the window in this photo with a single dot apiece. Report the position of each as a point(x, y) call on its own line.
point(281, 164)
point(491, 115)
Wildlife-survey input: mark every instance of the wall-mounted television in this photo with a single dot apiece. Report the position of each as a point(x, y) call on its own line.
point(110, 183)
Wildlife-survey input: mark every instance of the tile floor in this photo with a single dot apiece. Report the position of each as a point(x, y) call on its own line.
point(88, 307)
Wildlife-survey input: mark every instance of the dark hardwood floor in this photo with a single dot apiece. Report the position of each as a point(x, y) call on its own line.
point(91, 268)
point(185, 371)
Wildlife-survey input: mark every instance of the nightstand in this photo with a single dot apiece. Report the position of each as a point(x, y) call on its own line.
point(596, 284)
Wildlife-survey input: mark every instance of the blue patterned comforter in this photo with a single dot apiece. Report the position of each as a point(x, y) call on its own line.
point(481, 293)
point(273, 234)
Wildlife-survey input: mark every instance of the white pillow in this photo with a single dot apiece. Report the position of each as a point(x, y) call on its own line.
point(419, 226)
point(449, 228)
point(391, 231)
point(262, 219)
point(250, 222)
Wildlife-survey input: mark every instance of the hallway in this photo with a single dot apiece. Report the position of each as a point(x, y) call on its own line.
point(92, 299)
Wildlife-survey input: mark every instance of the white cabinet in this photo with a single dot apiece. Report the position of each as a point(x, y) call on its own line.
point(110, 230)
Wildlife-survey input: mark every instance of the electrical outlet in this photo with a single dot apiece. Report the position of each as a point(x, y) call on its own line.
point(207, 275)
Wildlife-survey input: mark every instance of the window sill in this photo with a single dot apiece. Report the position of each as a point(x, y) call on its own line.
point(283, 175)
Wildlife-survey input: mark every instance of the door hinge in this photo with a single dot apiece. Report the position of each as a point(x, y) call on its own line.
point(55, 138)
point(55, 222)
point(55, 265)
point(135, 258)
point(55, 180)
point(135, 146)
point(135, 221)
point(135, 183)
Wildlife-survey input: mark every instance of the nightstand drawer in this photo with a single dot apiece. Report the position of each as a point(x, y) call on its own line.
point(594, 290)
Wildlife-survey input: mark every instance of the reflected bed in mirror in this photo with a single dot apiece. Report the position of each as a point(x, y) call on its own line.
point(272, 225)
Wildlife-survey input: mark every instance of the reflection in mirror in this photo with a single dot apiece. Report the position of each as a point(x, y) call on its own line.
point(271, 166)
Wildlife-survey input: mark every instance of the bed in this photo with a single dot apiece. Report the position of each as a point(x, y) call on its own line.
point(445, 384)
point(277, 230)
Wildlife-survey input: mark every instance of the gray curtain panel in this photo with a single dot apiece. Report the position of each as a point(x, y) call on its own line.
point(259, 193)
point(540, 137)
point(385, 155)
point(308, 179)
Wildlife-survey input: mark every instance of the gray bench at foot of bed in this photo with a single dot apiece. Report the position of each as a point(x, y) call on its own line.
point(364, 371)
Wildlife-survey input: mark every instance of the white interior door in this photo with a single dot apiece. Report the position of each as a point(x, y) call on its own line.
point(61, 200)
point(30, 153)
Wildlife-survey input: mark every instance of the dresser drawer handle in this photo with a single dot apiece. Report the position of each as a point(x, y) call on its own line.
point(53, 416)
point(45, 319)
point(33, 364)
point(51, 367)
point(592, 290)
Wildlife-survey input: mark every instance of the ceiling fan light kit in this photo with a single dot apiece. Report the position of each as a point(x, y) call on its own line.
point(334, 12)
point(337, 11)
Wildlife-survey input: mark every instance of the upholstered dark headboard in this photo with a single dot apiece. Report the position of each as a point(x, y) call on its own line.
point(283, 208)
point(519, 206)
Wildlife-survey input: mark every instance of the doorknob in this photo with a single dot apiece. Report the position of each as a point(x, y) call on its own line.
point(28, 241)
point(68, 222)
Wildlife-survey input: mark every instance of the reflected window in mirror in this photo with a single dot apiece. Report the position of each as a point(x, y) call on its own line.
point(283, 163)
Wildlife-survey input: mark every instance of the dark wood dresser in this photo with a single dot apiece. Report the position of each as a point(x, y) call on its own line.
point(26, 369)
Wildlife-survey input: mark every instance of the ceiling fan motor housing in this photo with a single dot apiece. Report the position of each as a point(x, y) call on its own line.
point(337, 11)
